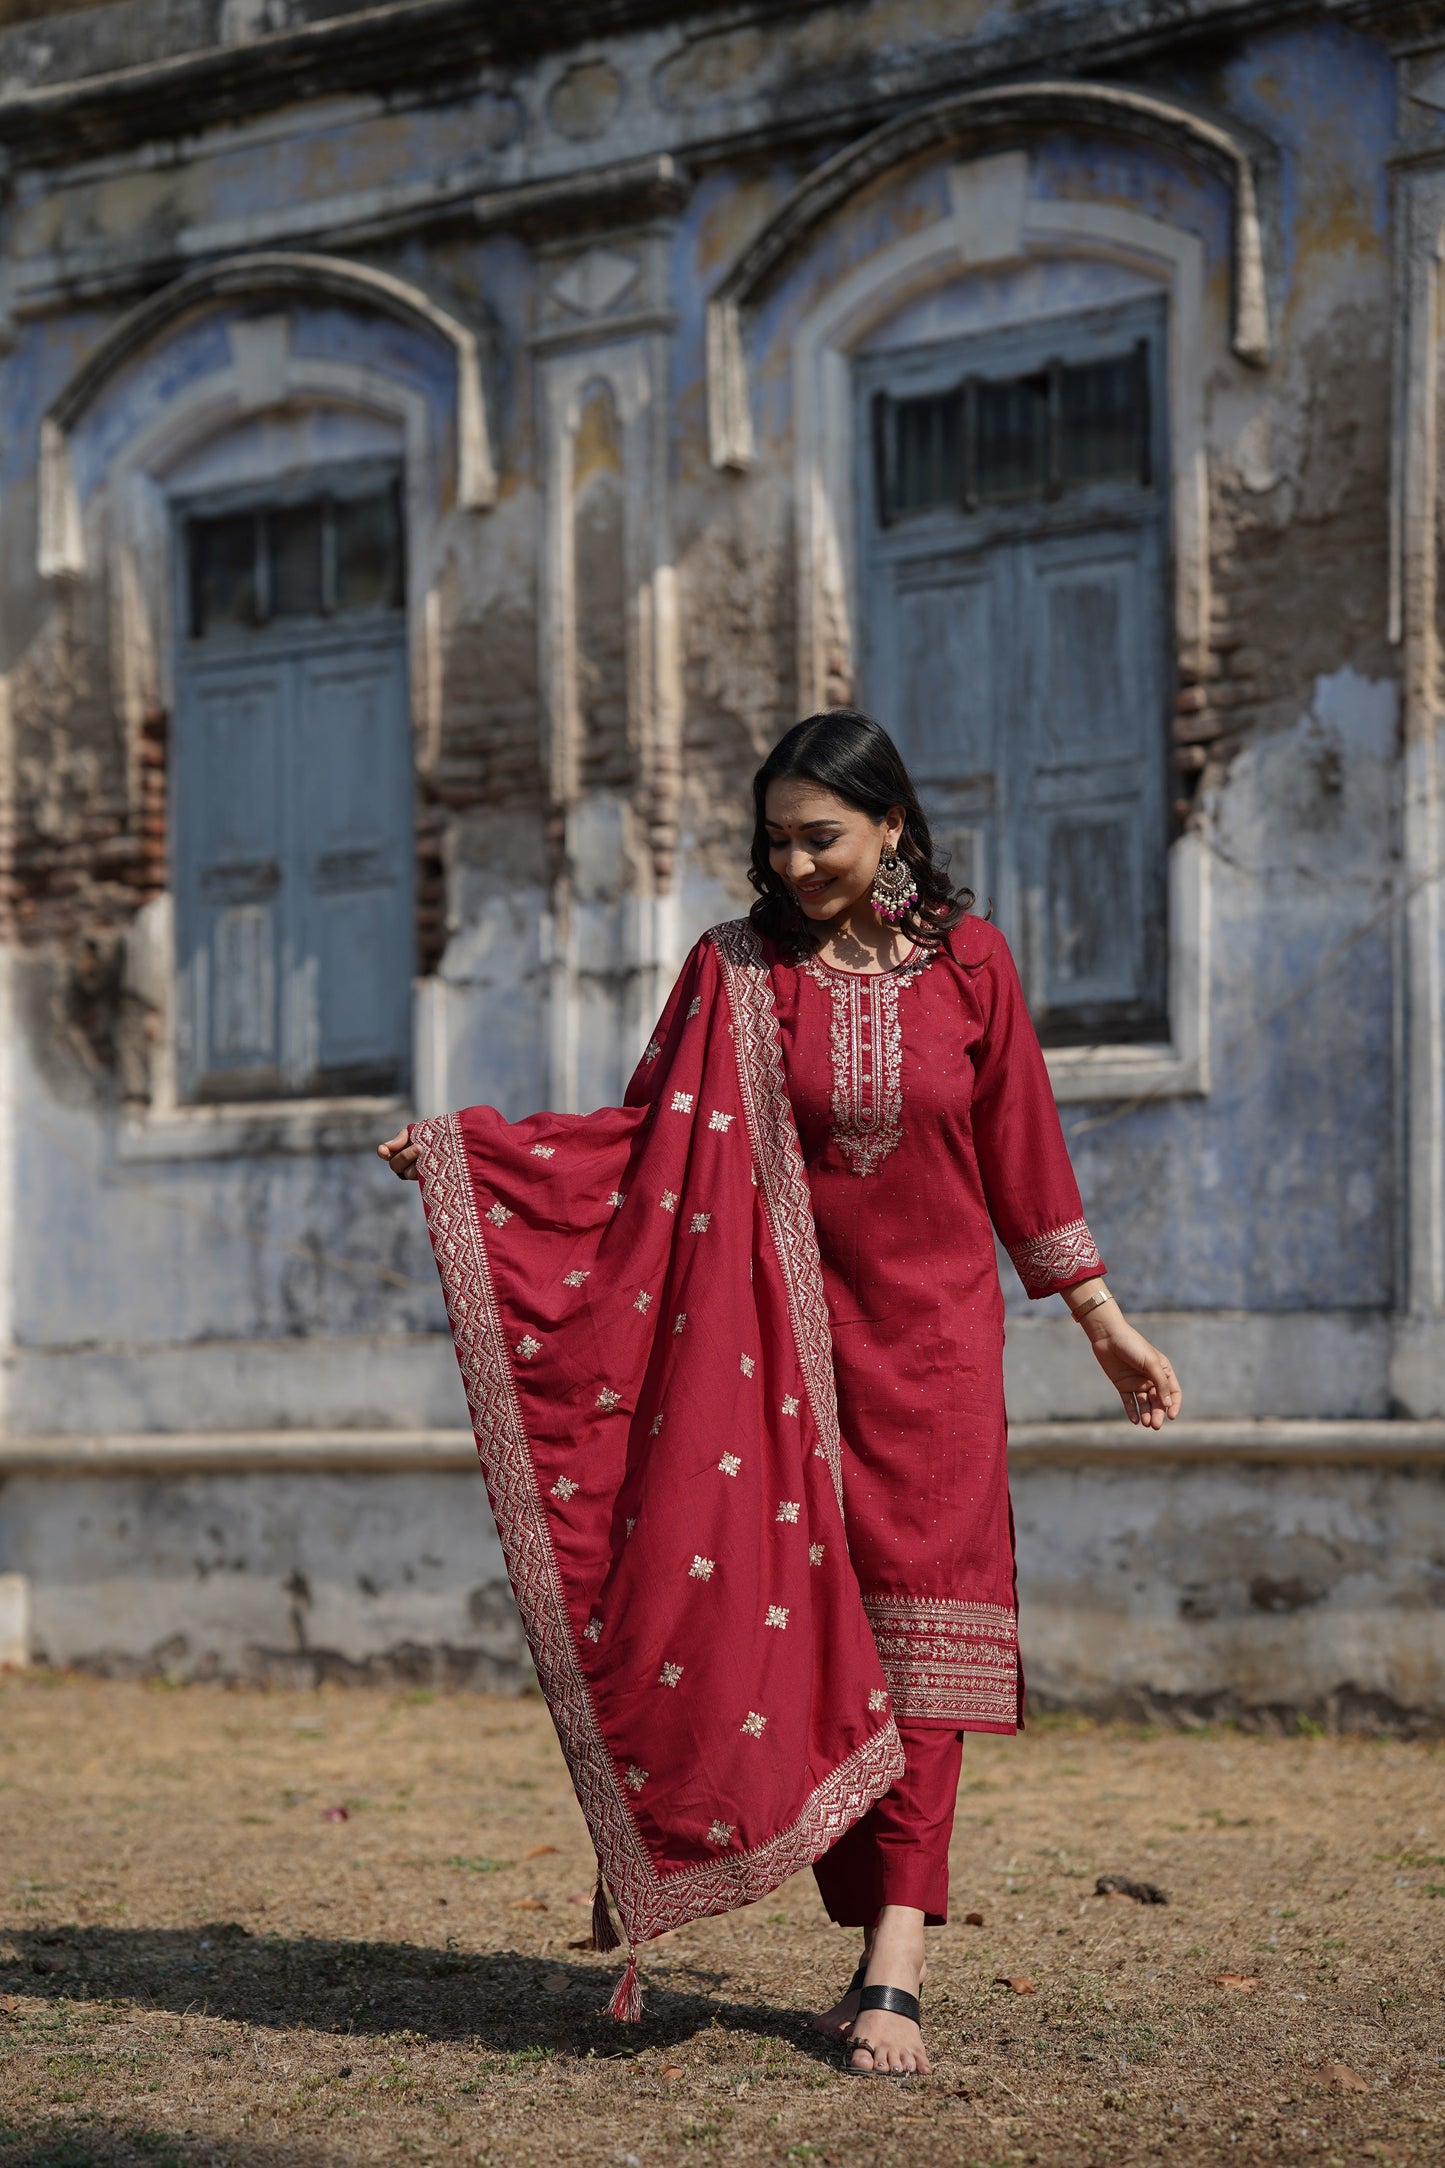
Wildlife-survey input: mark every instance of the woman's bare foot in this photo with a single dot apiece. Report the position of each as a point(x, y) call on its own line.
point(895, 1959)
point(837, 2020)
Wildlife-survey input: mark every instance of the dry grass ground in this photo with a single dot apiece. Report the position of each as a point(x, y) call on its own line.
point(196, 1965)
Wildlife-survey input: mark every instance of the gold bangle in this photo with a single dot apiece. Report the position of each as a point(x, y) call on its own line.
point(1092, 1303)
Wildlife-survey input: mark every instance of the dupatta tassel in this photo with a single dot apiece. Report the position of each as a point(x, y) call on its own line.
point(604, 1929)
point(626, 2003)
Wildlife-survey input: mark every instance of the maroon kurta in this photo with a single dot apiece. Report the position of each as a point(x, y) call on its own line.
point(927, 1121)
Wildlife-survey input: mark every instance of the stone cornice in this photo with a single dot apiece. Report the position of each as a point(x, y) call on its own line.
point(1406, 26)
point(426, 46)
point(624, 194)
point(405, 44)
point(1305, 1443)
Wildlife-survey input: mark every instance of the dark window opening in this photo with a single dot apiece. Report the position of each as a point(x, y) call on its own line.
point(320, 558)
point(1016, 439)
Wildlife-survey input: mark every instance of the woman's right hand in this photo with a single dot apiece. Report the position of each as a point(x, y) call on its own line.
point(401, 1155)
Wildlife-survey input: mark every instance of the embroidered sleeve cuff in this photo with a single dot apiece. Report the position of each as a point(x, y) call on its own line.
point(1056, 1260)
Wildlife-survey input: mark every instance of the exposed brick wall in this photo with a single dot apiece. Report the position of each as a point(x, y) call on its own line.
point(78, 862)
point(1299, 571)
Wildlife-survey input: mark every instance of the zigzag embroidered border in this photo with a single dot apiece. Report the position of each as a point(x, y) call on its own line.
point(1049, 1261)
point(778, 1157)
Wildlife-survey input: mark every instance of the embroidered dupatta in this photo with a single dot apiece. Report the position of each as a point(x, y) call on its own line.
point(637, 1305)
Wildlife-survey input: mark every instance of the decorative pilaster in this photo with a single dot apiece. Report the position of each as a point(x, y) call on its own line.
point(1418, 1370)
point(610, 673)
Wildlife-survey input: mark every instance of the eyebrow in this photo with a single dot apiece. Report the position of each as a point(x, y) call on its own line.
point(829, 820)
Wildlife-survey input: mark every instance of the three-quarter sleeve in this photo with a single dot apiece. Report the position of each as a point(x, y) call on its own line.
point(1028, 1180)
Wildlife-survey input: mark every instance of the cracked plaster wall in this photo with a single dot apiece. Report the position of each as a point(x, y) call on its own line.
point(292, 1580)
point(1290, 726)
point(199, 1294)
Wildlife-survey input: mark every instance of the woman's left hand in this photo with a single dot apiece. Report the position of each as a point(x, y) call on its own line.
point(401, 1155)
point(1143, 1378)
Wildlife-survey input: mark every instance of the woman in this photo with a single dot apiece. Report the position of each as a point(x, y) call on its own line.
point(871, 1040)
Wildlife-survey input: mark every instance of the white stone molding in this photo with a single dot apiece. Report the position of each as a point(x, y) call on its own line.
point(971, 122)
point(1419, 1370)
point(1179, 1070)
point(134, 510)
point(605, 847)
point(294, 278)
point(994, 223)
point(131, 525)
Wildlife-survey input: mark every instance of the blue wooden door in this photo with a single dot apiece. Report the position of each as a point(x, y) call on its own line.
point(939, 646)
point(1013, 561)
point(230, 806)
point(353, 795)
point(292, 831)
point(1091, 829)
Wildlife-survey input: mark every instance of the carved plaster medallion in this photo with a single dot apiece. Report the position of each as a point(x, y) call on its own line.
point(596, 281)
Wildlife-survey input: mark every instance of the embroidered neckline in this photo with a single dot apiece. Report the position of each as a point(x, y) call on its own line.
point(913, 963)
point(865, 1043)
point(917, 959)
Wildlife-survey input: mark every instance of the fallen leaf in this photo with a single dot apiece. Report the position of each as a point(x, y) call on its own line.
point(529, 1904)
point(336, 1814)
point(579, 1897)
point(1123, 1885)
point(49, 1964)
point(584, 1944)
point(1020, 1982)
point(1240, 1983)
point(1341, 2075)
point(556, 1983)
point(973, 1919)
point(671, 2071)
point(539, 1851)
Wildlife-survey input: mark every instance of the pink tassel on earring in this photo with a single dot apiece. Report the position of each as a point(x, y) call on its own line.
point(604, 1931)
point(626, 2003)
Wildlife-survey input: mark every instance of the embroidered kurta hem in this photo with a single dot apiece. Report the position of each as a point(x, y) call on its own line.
point(638, 1309)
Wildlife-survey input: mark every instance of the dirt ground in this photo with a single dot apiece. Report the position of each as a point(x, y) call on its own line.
point(202, 1961)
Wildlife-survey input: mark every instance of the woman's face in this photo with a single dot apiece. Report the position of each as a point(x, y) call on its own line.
point(826, 851)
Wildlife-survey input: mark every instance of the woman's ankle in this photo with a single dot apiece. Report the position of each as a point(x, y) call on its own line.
point(897, 1941)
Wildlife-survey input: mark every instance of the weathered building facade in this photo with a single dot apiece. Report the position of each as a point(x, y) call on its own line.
point(441, 450)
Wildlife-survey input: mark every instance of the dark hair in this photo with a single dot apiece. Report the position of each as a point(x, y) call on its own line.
point(853, 757)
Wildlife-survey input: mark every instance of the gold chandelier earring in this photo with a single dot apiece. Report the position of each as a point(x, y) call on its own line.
point(894, 889)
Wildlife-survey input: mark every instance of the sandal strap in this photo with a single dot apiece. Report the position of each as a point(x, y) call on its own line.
point(896, 1999)
point(858, 1978)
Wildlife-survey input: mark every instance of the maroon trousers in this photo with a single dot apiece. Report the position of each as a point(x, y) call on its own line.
point(898, 1853)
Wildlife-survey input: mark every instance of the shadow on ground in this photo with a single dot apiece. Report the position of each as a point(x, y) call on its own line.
point(71, 2144)
point(494, 2000)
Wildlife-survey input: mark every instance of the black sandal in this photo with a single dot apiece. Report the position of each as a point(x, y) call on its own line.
point(854, 1987)
point(901, 2004)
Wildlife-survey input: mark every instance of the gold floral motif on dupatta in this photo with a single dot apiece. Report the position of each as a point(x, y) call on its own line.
point(865, 1043)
